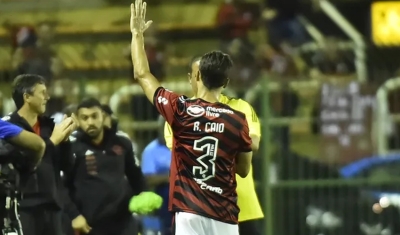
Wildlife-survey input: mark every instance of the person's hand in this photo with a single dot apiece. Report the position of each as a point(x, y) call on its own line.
point(62, 130)
point(80, 224)
point(73, 126)
point(138, 17)
point(75, 122)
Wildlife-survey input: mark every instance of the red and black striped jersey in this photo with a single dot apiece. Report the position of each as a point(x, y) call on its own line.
point(207, 138)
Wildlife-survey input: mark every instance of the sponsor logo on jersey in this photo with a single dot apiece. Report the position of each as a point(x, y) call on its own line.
point(195, 111)
point(219, 110)
point(162, 100)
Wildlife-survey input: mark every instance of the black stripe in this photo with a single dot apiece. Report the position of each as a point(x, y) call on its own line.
point(190, 204)
point(228, 118)
point(202, 197)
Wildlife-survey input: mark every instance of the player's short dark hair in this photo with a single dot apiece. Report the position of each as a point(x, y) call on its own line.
point(24, 83)
point(214, 69)
point(193, 60)
point(89, 103)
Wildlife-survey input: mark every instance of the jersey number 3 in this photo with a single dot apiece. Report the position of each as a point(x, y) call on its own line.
point(208, 146)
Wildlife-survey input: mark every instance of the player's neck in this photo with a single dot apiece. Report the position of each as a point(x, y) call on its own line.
point(209, 96)
point(28, 115)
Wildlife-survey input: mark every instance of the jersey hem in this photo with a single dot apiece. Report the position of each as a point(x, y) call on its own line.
point(205, 215)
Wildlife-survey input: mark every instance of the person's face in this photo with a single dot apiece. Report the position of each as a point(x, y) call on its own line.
point(194, 76)
point(37, 100)
point(91, 121)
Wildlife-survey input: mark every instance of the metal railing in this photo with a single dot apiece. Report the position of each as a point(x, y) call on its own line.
point(359, 50)
point(384, 119)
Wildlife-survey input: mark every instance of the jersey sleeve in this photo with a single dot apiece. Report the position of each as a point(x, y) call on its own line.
point(168, 135)
point(252, 119)
point(168, 104)
point(8, 130)
point(245, 145)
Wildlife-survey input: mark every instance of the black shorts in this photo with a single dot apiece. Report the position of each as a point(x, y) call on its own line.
point(250, 227)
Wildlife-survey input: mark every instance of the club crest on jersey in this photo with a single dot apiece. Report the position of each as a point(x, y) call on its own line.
point(195, 111)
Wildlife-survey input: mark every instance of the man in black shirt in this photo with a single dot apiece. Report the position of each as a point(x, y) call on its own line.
point(40, 208)
point(105, 175)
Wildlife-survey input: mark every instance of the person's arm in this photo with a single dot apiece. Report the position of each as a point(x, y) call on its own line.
point(133, 172)
point(245, 155)
point(149, 169)
point(254, 125)
point(78, 221)
point(243, 163)
point(166, 102)
point(30, 141)
point(168, 136)
point(139, 58)
point(25, 139)
point(67, 165)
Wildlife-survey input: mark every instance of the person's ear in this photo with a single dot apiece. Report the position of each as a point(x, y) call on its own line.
point(198, 75)
point(26, 96)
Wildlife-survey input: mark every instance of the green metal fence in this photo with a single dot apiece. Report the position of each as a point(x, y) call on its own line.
point(311, 197)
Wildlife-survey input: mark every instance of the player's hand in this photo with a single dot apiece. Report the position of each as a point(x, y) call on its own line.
point(62, 131)
point(138, 17)
point(80, 224)
point(73, 127)
point(75, 122)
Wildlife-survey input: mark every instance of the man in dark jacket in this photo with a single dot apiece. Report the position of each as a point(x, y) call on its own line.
point(105, 175)
point(40, 208)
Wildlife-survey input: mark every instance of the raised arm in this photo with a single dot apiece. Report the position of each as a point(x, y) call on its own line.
point(142, 73)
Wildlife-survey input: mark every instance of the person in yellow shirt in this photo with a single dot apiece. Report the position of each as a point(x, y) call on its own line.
point(250, 209)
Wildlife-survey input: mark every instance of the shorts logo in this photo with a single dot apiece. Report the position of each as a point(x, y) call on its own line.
point(195, 111)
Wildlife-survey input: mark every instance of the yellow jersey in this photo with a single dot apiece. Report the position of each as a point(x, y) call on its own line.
point(247, 198)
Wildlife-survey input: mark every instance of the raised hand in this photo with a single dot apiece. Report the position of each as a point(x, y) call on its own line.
point(62, 131)
point(138, 17)
point(75, 122)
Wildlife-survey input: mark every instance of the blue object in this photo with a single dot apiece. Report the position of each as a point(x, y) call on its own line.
point(356, 168)
point(156, 160)
point(151, 223)
point(8, 130)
